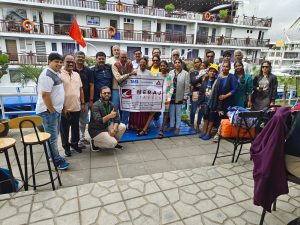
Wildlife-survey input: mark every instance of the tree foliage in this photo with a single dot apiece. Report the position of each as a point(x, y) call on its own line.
point(30, 73)
point(4, 62)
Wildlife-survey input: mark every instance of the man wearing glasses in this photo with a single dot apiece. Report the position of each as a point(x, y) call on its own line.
point(74, 104)
point(174, 56)
point(105, 127)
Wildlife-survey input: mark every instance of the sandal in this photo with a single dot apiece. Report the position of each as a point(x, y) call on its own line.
point(161, 134)
point(142, 133)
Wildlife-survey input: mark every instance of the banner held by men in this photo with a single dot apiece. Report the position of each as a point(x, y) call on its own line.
point(143, 94)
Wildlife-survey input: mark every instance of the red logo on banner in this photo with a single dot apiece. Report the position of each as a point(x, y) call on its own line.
point(126, 93)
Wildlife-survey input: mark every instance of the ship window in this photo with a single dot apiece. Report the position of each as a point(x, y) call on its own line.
point(54, 47)
point(63, 18)
point(128, 20)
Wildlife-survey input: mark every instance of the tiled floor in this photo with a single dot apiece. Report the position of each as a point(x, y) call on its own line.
point(168, 181)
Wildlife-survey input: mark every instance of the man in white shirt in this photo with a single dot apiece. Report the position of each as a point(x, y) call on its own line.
point(50, 104)
point(238, 57)
point(115, 57)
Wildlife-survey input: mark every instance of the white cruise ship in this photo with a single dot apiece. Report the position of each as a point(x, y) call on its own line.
point(193, 28)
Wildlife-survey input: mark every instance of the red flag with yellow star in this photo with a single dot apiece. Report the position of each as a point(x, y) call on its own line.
point(75, 33)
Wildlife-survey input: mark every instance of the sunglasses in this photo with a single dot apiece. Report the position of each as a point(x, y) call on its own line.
point(265, 67)
point(175, 54)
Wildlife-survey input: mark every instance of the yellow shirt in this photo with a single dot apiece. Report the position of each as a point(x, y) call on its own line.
point(154, 71)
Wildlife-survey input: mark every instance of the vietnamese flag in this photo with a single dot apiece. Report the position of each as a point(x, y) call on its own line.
point(75, 33)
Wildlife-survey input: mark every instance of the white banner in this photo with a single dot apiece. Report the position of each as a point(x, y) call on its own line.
point(143, 94)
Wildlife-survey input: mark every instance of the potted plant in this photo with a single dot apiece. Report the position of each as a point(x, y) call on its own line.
point(223, 13)
point(4, 61)
point(102, 4)
point(169, 9)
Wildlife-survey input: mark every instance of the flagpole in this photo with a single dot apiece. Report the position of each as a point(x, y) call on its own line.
point(93, 46)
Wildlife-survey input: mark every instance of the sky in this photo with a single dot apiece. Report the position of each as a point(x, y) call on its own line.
point(283, 12)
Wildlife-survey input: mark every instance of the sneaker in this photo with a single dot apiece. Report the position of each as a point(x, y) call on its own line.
point(94, 148)
point(119, 147)
point(84, 141)
point(68, 153)
point(202, 135)
point(76, 148)
point(206, 137)
point(216, 138)
point(63, 165)
point(81, 145)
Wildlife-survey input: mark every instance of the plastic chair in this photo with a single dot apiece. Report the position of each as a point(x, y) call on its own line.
point(5, 145)
point(34, 138)
point(243, 130)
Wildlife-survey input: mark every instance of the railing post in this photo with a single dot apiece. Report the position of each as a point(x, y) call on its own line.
point(195, 33)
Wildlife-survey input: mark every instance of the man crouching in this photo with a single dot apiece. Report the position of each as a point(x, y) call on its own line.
point(104, 127)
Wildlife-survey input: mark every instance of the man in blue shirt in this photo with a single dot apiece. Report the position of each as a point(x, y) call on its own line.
point(102, 74)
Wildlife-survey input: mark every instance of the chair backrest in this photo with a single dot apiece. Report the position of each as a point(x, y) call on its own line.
point(2, 127)
point(249, 121)
point(26, 122)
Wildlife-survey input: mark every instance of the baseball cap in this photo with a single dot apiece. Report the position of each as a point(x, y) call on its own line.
point(214, 66)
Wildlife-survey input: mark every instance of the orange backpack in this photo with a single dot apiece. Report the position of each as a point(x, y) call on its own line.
point(227, 130)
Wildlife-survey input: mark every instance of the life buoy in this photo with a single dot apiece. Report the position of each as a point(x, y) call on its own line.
point(28, 25)
point(111, 31)
point(120, 7)
point(207, 16)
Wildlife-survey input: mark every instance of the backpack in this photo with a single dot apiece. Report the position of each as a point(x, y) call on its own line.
point(6, 185)
point(235, 120)
point(227, 130)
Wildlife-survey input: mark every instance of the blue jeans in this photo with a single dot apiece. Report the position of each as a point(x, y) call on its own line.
point(116, 101)
point(84, 119)
point(193, 113)
point(51, 123)
point(175, 112)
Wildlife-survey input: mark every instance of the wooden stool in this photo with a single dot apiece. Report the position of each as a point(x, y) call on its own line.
point(5, 144)
point(35, 138)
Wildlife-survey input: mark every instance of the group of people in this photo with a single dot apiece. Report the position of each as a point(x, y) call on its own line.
point(215, 88)
point(68, 90)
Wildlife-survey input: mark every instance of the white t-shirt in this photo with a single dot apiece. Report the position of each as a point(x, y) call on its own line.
point(49, 81)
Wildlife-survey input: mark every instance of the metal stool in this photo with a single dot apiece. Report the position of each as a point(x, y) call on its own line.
point(35, 138)
point(5, 145)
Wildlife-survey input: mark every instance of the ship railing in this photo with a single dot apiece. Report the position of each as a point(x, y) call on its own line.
point(98, 33)
point(231, 41)
point(154, 11)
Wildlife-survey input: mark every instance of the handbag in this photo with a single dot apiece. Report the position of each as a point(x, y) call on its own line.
point(195, 96)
